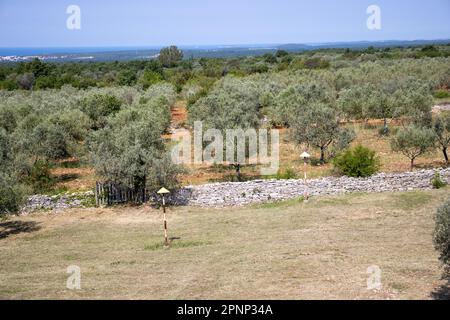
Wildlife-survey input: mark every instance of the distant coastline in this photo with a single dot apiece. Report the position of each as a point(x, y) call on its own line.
point(65, 54)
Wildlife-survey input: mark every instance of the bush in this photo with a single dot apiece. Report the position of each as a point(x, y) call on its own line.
point(149, 78)
point(316, 63)
point(287, 174)
point(441, 236)
point(12, 194)
point(39, 177)
point(357, 162)
point(441, 94)
point(437, 181)
point(99, 107)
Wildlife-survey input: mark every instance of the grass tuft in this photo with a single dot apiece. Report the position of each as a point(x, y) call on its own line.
point(278, 204)
point(411, 200)
point(152, 246)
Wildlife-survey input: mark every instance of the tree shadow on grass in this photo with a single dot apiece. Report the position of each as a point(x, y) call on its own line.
point(443, 291)
point(66, 177)
point(9, 228)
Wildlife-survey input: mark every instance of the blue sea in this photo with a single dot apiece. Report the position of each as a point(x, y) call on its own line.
point(66, 50)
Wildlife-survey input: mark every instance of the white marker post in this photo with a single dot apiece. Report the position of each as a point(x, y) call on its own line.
point(305, 155)
point(162, 192)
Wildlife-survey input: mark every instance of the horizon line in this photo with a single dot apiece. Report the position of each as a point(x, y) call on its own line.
point(227, 45)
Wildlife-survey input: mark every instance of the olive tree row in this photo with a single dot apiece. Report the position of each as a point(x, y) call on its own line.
point(44, 126)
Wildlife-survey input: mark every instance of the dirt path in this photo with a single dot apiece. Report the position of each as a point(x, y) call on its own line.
point(179, 114)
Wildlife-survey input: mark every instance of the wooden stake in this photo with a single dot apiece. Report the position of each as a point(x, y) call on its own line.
point(166, 240)
point(306, 185)
point(163, 191)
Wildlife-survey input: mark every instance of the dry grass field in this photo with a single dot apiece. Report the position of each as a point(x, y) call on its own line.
point(287, 250)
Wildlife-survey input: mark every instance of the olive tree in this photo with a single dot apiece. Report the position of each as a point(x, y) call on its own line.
point(99, 106)
point(381, 105)
point(12, 192)
point(441, 235)
point(130, 147)
point(296, 98)
point(413, 142)
point(355, 102)
point(318, 126)
point(44, 141)
point(351, 103)
point(170, 56)
point(441, 128)
point(233, 103)
point(413, 100)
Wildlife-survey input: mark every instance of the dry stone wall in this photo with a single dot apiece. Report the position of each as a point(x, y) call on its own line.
point(257, 191)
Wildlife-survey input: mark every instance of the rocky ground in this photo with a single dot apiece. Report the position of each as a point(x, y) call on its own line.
point(258, 191)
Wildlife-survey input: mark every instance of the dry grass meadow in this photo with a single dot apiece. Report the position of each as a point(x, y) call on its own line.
point(287, 250)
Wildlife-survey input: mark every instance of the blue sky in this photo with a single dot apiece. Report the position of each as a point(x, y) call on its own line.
point(30, 23)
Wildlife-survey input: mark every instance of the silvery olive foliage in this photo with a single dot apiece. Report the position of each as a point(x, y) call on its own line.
point(232, 103)
point(318, 127)
point(413, 141)
point(357, 90)
point(130, 144)
point(12, 192)
point(296, 98)
point(38, 127)
point(441, 236)
point(129, 148)
point(441, 126)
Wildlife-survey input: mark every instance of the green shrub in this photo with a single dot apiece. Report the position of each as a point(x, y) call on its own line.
point(259, 68)
point(99, 107)
point(441, 94)
point(357, 162)
point(149, 78)
point(441, 236)
point(39, 177)
point(287, 174)
point(437, 181)
point(316, 63)
point(12, 194)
